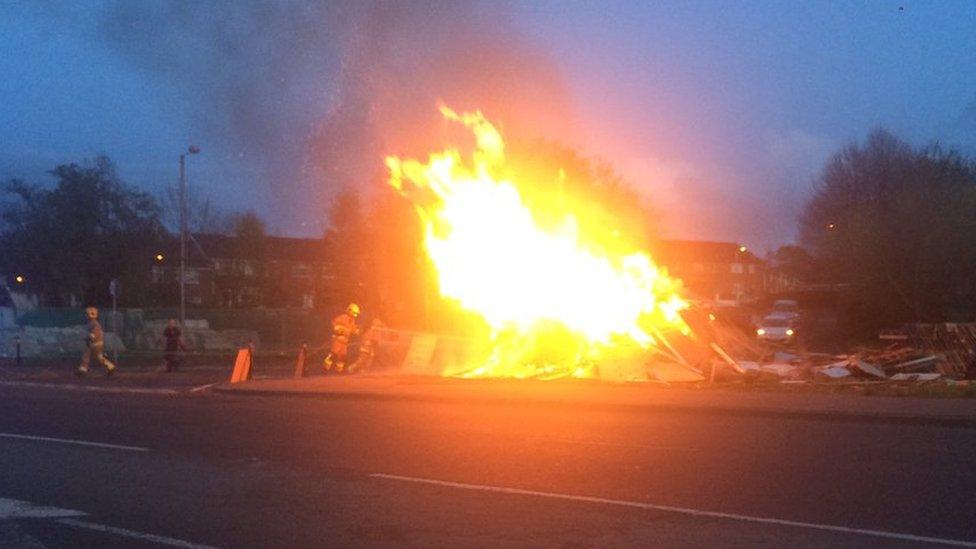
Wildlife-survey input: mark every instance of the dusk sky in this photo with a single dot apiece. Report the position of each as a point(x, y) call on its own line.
point(721, 113)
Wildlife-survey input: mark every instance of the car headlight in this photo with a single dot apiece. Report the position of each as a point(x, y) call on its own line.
point(760, 331)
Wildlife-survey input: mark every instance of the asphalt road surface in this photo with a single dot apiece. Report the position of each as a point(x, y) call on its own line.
point(107, 469)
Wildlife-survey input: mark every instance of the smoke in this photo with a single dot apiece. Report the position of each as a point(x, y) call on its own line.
point(312, 95)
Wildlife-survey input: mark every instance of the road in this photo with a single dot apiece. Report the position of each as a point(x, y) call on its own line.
point(204, 469)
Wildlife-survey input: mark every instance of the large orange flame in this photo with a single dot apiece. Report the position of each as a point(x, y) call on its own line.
point(533, 285)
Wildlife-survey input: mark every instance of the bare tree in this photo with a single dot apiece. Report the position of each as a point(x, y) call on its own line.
point(897, 222)
point(203, 214)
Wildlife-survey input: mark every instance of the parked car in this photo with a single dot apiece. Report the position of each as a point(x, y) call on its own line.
point(776, 328)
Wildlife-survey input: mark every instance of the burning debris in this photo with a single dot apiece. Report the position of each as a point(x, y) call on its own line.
point(557, 300)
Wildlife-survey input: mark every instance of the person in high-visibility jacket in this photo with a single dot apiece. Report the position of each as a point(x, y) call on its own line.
point(343, 329)
point(95, 345)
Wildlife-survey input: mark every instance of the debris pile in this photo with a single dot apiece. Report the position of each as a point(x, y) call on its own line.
point(895, 363)
point(920, 353)
point(954, 343)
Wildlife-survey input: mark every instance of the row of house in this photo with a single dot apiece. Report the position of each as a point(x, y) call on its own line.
point(303, 273)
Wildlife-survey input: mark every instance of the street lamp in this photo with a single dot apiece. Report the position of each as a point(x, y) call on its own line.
point(160, 257)
point(19, 279)
point(192, 150)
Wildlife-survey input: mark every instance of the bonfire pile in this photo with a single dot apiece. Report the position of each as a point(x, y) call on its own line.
point(916, 353)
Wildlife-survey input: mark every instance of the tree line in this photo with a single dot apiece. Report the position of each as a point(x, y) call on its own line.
point(66, 242)
point(898, 224)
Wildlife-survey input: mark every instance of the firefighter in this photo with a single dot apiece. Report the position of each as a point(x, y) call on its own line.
point(96, 345)
point(367, 347)
point(343, 329)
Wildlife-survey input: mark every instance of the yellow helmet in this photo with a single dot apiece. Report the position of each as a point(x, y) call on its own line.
point(353, 309)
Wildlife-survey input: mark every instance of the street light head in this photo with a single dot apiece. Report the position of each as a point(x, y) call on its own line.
point(194, 149)
point(742, 249)
point(19, 279)
point(160, 257)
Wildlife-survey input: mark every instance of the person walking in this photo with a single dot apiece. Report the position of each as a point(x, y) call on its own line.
point(173, 341)
point(95, 345)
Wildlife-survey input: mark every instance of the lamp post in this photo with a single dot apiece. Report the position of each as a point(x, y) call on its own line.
point(192, 150)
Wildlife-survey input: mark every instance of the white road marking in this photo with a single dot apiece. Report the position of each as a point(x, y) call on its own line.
point(17, 509)
point(13, 509)
point(162, 540)
point(681, 510)
point(79, 442)
point(623, 444)
point(203, 387)
point(95, 388)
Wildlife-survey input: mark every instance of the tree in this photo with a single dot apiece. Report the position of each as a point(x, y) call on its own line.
point(249, 228)
point(795, 262)
point(897, 223)
point(202, 214)
point(72, 239)
point(348, 237)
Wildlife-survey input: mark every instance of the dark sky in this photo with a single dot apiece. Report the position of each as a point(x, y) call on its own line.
point(720, 112)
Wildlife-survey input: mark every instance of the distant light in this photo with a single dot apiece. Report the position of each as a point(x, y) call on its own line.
point(743, 249)
point(760, 331)
point(19, 279)
point(160, 257)
point(789, 331)
point(831, 226)
point(711, 316)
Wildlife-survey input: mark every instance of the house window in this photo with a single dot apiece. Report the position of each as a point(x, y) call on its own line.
point(191, 276)
point(738, 268)
point(300, 270)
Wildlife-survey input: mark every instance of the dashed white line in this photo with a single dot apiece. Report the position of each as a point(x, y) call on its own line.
point(95, 388)
point(203, 387)
point(78, 442)
point(16, 509)
point(681, 510)
point(623, 444)
point(162, 540)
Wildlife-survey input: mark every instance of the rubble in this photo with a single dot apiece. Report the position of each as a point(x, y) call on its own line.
point(919, 353)
point(916, 377)
point(955, 343)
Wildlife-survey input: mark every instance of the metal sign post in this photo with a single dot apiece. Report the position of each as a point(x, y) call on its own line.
point(114, 289)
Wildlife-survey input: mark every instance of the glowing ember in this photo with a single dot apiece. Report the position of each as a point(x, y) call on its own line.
point(557, 302)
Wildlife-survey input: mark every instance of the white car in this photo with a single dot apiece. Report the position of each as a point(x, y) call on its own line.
point(776, 328)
